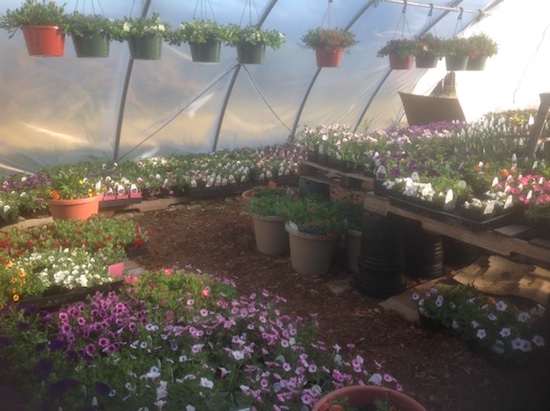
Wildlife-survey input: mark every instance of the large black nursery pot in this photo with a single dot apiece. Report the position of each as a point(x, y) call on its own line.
point(382, 259)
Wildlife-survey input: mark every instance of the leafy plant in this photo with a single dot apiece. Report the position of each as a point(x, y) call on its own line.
point(481, 45)
point(456, 47)
point(32, 13)
point(67, 183)
point(252, 34)
point(328, 38)
point(269, 201)
point(198, 31)
point(139, 27)
point(429, 45)
point(312, 214)
point(403, 47)
point(86, 25)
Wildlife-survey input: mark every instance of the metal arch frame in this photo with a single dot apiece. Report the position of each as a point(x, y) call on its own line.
point(261, 20)
point(124, 94)
point(314, 78)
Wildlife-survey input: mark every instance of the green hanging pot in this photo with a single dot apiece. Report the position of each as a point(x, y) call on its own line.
point(456, 63)
point(96, 45)
point(250, 53)
point(426, 61)
point(208, 52)
point(145, 47)
point(476, 63)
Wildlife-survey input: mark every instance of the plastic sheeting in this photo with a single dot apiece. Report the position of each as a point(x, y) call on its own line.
point(65, 109)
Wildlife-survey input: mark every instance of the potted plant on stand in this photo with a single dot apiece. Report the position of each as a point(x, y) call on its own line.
point(41, 24)
point(91, 34)
point(314, 226)
point(204, 38)
point(251, 42)
point(481, 47)
point(400, 53)
point(329, 44)
point(144, 36)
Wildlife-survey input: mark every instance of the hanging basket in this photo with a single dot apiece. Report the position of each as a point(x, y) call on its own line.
point(400, 63)
point(327, 57)
point(96, 45)
point(145, 47)
point(208, 52)
point(456, 63)
point(250, 53)
point(46, 41)
point(426, 61)
point(476, 63)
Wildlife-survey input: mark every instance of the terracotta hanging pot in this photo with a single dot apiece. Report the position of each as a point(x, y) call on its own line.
point(400, 63)
point(44, 40)
point(426, 61)
point(208, 52)
point(145, 47)
point(96, 45)
point(327, 57)
point(77, 209)
point(476, 63)
point(366, 395)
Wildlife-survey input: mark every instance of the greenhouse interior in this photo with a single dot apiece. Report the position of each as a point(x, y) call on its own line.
point(230, 210)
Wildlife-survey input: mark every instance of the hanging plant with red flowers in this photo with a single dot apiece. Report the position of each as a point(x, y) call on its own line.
point(328, 38)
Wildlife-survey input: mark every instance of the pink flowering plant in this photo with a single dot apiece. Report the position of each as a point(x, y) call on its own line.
point(497, 325)
point(173, 340)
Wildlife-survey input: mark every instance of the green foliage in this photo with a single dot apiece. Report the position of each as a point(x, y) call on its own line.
point(482, 45)
point(86, 25)
point(251, 34)
point(429, 45)
point(312, 214)
point(403, 47)
point(328, 38)
point(32, 13)
point(269, 201)
point(139, 27)
point(198, 31)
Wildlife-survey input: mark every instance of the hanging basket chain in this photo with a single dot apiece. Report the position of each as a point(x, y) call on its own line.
point(204, 7)
point(402, 24)
point(329, 13)
point(249, 5)
point(458, 26)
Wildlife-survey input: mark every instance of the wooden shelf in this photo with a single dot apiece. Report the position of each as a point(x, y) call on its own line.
point(321, 174)
point(503, 241)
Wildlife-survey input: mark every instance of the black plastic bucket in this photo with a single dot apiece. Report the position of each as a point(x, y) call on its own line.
point(382, 259)
point(306, 187)
point(423, 253)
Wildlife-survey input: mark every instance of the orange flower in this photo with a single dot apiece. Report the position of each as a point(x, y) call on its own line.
point(504, 172)
point(15, 297)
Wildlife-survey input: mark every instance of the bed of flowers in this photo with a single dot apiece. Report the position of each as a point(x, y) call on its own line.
point(503, 330)
point(64, 255)
point(174, 339)
point(478, 168)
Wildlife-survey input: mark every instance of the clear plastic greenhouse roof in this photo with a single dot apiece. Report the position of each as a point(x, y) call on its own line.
point(63, 109)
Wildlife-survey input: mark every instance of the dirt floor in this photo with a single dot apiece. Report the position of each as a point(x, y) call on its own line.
point(434, 368)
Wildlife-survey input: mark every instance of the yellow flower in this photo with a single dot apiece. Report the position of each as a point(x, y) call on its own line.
point(15, 297)
point(21, 273)
point(9, 264)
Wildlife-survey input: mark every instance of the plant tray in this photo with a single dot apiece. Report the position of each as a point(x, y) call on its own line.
point(452, 218)
point(69, 296)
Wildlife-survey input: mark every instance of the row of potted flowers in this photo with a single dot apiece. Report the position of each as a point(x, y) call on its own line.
point(26, 195)
point(461, 53)
point(92, 34)
point(64, 255)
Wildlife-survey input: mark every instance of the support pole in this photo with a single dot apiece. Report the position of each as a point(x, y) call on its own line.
point(536, 131)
